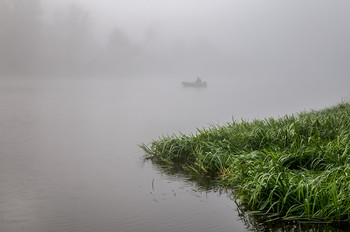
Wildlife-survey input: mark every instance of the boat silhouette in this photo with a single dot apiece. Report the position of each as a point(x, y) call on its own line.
point(196, 84)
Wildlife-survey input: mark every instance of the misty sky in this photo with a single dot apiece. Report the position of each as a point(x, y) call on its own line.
point(272, 38)
point(310, 32)
point(226, 21)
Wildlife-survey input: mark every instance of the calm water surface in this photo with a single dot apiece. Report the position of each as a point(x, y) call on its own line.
point(69, 159)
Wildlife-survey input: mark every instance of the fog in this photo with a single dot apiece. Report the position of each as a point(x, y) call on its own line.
point(269, 40)
point(83, 82)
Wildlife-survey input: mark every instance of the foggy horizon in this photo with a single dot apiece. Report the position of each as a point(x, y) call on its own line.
point(268, 40)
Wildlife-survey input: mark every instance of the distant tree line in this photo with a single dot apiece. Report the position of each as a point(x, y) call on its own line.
point(66, 45)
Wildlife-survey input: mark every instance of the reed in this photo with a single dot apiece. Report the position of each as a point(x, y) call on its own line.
point(295, 167)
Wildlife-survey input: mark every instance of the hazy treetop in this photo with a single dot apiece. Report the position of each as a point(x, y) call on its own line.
point(221, 35)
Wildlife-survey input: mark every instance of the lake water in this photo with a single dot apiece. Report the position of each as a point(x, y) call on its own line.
point(70, 161)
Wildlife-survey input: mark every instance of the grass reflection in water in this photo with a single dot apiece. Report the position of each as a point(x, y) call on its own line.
point(294, 168)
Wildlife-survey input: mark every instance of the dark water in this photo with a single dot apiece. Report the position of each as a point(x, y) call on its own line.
point(69, 159)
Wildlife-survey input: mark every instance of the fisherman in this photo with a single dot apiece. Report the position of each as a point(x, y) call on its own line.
point(198, 81)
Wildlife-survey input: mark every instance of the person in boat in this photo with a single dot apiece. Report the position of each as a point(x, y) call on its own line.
point(198, 81)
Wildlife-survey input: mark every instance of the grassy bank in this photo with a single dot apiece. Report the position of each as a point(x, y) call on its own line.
point(295, 168)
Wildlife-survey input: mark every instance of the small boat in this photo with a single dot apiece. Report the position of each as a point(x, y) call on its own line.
point(197, 84)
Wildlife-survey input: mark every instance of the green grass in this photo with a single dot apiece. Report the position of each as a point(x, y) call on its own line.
point(292, 168)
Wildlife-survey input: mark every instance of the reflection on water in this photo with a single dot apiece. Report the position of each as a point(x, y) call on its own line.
point(262, 224)
point(252, 223)
point(69, 159)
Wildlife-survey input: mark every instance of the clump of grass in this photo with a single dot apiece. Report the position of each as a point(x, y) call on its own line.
point(293, 168)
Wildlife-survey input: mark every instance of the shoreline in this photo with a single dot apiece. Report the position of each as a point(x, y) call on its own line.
point(295, 167)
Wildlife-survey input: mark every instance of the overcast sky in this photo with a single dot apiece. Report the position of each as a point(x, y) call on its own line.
point(221, 19)
point(299, 38)
point(320, 27)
